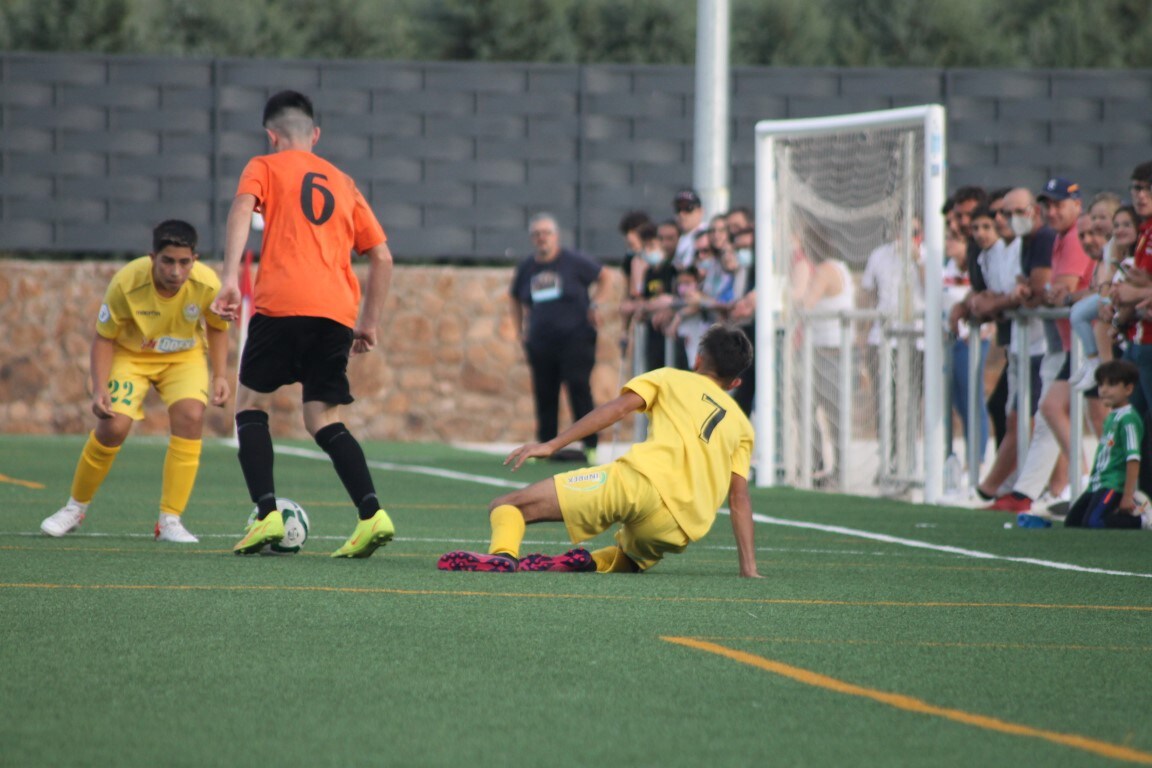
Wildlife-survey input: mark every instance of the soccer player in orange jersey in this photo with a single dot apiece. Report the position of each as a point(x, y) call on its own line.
point(308, 313)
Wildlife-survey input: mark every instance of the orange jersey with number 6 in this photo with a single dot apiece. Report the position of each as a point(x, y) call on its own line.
point(698, 437)
point(314, 218)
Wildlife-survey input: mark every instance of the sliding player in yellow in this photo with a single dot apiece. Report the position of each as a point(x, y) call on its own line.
point(665, 492)
point(152, 331)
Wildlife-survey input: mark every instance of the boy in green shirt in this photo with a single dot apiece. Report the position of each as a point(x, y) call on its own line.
point(1110, 499)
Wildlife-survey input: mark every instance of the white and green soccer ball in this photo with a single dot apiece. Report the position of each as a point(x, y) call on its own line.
point(295, 528)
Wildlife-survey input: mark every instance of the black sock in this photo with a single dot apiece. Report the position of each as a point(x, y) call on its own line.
point(984, 496)
point(256, 459)
point(1020, 496)
point(348, 459)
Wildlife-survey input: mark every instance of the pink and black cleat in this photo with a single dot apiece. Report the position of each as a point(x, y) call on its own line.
point(572, 561)
point(476, 561)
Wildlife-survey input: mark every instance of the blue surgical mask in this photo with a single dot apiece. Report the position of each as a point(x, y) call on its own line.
point(744, 257)
point(654, 257)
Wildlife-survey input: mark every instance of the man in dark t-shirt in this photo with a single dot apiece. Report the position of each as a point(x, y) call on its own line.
point(556, 320)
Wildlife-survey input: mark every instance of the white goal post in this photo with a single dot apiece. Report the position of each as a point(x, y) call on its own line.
point(774, 253)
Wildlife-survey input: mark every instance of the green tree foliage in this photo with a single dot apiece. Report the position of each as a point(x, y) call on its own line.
point(888, 33)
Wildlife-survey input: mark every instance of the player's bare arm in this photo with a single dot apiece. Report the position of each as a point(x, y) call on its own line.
point(743, 527)
point(375, 292)
point(227, 303)
point(101, 368)
point(219, 389)
point(597, 420)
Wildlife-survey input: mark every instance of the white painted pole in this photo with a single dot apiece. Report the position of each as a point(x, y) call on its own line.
point(710, 146)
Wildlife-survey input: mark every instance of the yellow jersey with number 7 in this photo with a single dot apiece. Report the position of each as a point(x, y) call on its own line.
point(697, 437)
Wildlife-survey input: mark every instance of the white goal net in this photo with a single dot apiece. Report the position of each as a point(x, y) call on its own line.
point(849, 371)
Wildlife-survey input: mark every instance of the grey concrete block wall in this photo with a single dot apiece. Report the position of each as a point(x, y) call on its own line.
point(455, 157)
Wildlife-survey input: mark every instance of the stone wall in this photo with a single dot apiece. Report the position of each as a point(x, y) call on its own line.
point(447, 367)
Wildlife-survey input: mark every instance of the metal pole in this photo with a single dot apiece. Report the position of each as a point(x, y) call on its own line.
point(710, 170)
point(845, 402)
point(973, 406)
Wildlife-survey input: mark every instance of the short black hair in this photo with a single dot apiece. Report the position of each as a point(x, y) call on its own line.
point(725, 351)
point(285, 101)
point(983, 212)
point(998, 194)
point(1143, 172)
point(633, 220)
point(1118, 372)
point(968, 194)
point(949, 204)
point(174, 232)
point(646, 231)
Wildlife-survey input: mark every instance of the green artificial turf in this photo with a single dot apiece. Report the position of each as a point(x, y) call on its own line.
point(117, 650)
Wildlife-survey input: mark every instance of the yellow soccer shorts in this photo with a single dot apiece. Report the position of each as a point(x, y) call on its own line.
point(182, 377)
point(594, 499)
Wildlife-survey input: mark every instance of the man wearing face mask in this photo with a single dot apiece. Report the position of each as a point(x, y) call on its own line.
point(1030, 248)
point(1070, 271)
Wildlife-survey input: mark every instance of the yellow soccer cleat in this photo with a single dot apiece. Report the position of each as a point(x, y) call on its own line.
point(374, 532)
point(261, 532)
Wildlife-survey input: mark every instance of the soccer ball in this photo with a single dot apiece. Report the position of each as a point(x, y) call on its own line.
point(1142, 503)
point(295, 528)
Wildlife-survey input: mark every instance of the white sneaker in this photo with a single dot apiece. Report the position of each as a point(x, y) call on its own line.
point(171, 528)
point(66, 520)
point(1085, 378)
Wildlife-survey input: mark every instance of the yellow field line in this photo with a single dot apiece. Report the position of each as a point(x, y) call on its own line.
point(937, 644)
point(570, 596)
point(911, 704)
point(25, 483)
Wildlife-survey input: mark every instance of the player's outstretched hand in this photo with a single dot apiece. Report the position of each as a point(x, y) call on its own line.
point(525, 452)
point(227, 303)
point(221, 390)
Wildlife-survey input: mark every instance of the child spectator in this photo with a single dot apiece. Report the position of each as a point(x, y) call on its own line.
point(1110, 499)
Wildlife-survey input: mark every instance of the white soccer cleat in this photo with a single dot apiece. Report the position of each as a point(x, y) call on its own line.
point(66, 520)
point(171, 528)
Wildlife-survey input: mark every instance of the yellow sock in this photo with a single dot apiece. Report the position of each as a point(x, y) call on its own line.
point(507, 530)
point(180, 466)
point(95, 461)
point(613, 560)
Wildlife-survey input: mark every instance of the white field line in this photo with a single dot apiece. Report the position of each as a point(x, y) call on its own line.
point(448, 474)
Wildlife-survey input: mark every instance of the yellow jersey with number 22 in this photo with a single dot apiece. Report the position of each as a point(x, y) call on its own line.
point(142, 321)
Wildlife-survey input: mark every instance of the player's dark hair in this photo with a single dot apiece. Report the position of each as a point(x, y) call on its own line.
point(725, 351)
point(284, 102)
point(633, 220)
point(968, 194)
point(173, 232)
point(998, 194)
point(646, 231)
point(983, 212)
point(743, 210)
point(1143, 172)
point(1118, 372)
